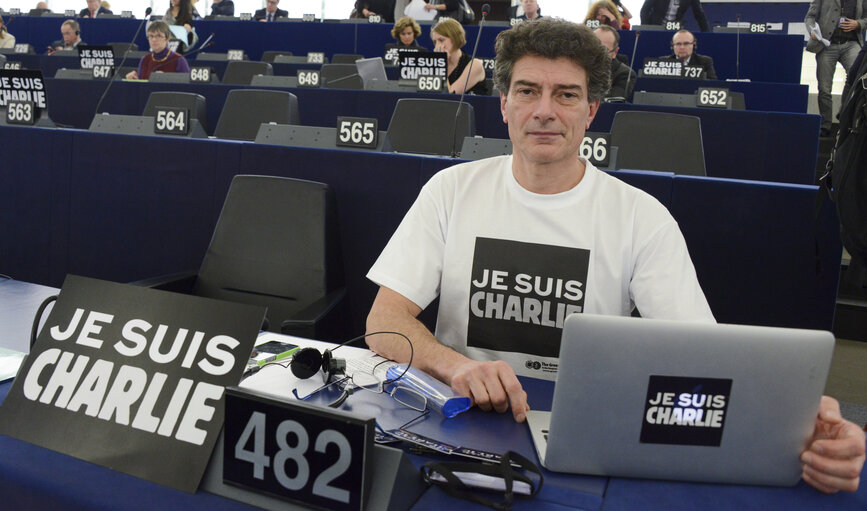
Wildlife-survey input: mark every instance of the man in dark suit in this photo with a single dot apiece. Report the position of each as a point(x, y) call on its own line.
point(622, 77)
point(223, 8)
point(655, 12)
point(683, 43)
point(93, 10)
point(270, 12)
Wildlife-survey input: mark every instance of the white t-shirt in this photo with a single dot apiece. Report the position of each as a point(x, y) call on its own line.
point(509, 264)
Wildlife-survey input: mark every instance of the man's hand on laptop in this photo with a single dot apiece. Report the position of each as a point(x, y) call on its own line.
point(835, 456)
point(491, 385)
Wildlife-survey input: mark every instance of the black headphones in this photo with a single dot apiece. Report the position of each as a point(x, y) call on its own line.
point(309, 361)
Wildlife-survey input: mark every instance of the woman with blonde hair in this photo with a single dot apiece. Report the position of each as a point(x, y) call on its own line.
point(406, 31)
point(606, 12)
point(448, 36)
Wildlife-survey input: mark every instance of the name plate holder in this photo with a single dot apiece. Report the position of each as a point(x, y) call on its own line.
point(393, 484)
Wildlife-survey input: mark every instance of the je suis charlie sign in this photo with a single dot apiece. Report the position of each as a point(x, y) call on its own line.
point(132, 378)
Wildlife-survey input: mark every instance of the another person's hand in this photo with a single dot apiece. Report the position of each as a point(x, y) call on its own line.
point(132, 75)
point(835, 455)
point(188, 27)
point(429, 7)
point(491, 385)
point(849, 25)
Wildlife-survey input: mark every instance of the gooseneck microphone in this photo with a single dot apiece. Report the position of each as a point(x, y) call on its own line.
point(122, 60)
point(631, 64)
point(486, 9)
point(738, 50)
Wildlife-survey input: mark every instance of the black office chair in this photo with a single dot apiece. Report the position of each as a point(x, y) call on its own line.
point(194, 102)
point(428, 126)
point(345, 58)
point(119, 49)
point(246, 109)
point(241, 72)
point(269, 55)
point(276, 244)
point(658, 141)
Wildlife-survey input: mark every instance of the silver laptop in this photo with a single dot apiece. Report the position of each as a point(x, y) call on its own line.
point(371, 69)
point(683, 400)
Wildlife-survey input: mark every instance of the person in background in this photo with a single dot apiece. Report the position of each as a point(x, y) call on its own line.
point(625, 15)
point(683, 44)
point(180, 13)
point(382, 8)
point(7, 40)
point(160, 59)
point(448, 36)
point(93, 9)
point(622, 77)
point(223, 8)
point(531, 10)
point(657, 12)
point(606, 13)
point(270, 12)
point(70, 30)
point(42, 7)
point(445, 9)
point(405, 31)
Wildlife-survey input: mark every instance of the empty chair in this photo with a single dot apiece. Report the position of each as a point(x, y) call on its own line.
point(276, 244)
point(269, 55)
point(246, 109)
point(428, 126)
point(345, 58)
point(120, 49)
point(658, 141)
point(194, 102)
point(241, 72)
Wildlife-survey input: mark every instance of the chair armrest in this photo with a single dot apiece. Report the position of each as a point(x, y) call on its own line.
point(310, 321)
point(177, 282)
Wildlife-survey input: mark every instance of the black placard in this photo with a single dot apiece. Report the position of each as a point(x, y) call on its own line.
point(132, 378)
point(592, 24)
point(672, 25)
point(693, 72)
point(316, 57)
point(374, 18)
point(515, 21)
point(392, 55)
point(595, 147)
point(312, 455)
point(422, 63)
point(308, 78)
point(357, 132)
point(488, 64)
point(712, 97)
point(246, 16)
point(22, 48)
point(103, 71)
point(91, 56)
point(23, 85)
point(663, 67)
point(20, 112)
point(172, 121)
point(200, 74)
point(69, 13)
point(235, 55)
point(759, 28)
point(431, 84)
point(682, 410)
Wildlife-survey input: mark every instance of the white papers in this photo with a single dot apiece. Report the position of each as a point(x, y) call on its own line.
point(10, 361)
point(816, 31)
point(416, 10)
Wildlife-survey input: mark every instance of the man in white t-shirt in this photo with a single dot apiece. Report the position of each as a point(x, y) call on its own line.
point(511, 245)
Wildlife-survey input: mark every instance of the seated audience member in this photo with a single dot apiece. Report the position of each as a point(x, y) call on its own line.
point(93, 9)
point(531, 10)
point(41, 7)
point(625, 15)
point(70, 30)
point(445, 9)
point(684, 44)
point(448, 35)
point(382, 8)
point(622, 77)
point(657, 12)
point(180, 13)
point(405, 31)
point(7, 40)
point(222, 8)
point(160, 59)
point(546, 203)
point(270, 12)
point(606, 13)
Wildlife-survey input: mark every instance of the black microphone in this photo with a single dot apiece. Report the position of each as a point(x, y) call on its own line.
point(737, 50)
point(632, 63)
point(486, 9)
point(122, 61)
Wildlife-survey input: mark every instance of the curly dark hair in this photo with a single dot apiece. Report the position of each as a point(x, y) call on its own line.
point(554, 38)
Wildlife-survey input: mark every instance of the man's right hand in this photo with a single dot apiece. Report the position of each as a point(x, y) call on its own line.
point(491, 385)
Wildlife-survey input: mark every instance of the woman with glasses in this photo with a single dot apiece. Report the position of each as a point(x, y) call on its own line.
point(160, 59)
